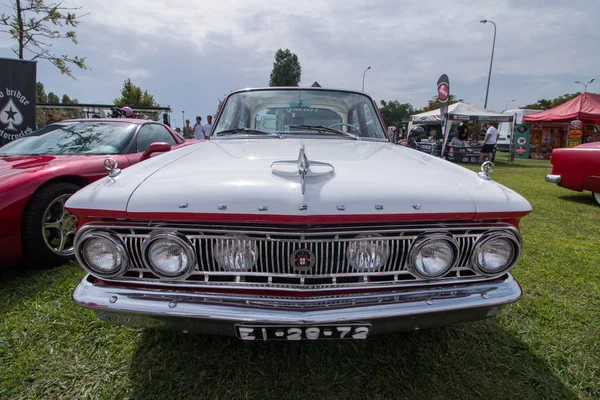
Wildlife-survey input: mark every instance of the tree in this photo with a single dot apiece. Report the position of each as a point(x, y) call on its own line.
point(394, 112)
point(434, 103)
point(132, 96)
point(40, 93)
point(286, 69)
point(67, 100)
point(53, 99)
point(545, 104)
point(33, 23)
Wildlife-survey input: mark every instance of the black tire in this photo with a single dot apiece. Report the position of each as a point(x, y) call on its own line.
point(34, 246)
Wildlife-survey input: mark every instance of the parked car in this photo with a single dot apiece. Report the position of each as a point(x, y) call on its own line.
point(297, 231)
point(39, 172)
point(577, 168)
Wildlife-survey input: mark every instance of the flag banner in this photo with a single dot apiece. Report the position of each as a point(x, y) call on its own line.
point(443, 85)
point(17, 99)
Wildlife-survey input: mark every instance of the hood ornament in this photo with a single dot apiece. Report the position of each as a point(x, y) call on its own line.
point(486, 168)
point(302, 167)
point(112, 166)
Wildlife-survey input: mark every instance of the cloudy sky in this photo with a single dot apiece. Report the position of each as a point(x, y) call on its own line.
point(188, 54)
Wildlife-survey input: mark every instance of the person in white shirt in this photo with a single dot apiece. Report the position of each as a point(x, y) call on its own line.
point(208, 126)
point(199, 129)
point(491, 137)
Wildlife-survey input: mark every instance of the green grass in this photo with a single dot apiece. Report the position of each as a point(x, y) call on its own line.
point(546, 346)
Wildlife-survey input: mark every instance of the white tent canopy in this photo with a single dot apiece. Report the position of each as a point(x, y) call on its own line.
point(458, 112)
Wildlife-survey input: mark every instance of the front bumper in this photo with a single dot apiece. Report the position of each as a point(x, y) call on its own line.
point(553, 178)
point(216, 314)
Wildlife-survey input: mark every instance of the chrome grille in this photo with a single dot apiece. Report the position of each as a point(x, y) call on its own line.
point(329, 246)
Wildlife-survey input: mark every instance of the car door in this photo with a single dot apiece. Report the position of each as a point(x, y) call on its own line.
point(149, 133)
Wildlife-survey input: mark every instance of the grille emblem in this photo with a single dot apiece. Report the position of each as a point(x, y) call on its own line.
point(302, 260)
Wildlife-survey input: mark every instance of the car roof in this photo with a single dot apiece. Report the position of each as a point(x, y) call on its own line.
point(316, 89)
point(129, 120)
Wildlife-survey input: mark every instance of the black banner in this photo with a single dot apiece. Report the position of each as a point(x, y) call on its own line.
point(17, 99)
point(443, 85)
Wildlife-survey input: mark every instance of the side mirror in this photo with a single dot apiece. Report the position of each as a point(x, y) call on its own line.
point(156, 147)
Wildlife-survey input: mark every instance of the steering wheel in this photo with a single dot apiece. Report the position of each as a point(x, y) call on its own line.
point(342, 124)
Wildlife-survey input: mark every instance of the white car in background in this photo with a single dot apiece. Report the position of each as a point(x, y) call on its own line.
point(504, 128)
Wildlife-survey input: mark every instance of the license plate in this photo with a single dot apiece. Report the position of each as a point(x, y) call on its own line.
point(270, 332)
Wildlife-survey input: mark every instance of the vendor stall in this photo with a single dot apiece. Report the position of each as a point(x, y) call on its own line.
point(457, 112)
point(553, 128)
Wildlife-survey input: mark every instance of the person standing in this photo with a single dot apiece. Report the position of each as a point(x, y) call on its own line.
point(491, 137)
point(188, 131)
point(208, 126)
point(199, 129)
point(463, 131)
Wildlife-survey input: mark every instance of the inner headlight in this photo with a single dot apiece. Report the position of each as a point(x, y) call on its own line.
point(169, 255)
point(496, 253)
point(102, 254)
point(432, 256)
point(235, 253)
point(368, 254)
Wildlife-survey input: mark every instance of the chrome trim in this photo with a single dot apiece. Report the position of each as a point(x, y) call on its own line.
point(517, 246)
point(182, 240)
point(275, 243)
point(422, 241)
point(553, 178)
point(216, 313)
point(81, 239)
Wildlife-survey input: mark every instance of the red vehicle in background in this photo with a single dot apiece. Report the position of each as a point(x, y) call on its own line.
point(39, 172)
point(577, 168)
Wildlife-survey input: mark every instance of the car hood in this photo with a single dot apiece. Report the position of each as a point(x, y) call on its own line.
point(260, 176)
point(11, 166)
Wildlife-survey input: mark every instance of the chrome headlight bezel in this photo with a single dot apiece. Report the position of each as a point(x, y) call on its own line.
point(112, 237)
point(363, 239)
point(515, 241)
point(182, 241)
point(426, 239)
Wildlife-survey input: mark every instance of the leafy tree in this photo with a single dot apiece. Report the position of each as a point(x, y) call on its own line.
point(434, 103)
point(53, 99)
point(33, 24)
point(286, 69)
point(545, 104)
point(67, 100)
point(40, 93)
point(132, 96)
point(394, 112)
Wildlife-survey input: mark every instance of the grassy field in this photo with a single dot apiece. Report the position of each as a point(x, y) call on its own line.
point(546, 346)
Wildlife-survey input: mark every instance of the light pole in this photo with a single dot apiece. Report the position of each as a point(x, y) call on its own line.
point(483, 21)
point(182, 118)
point(506, 106)
point(585, 84)
point(363, 86)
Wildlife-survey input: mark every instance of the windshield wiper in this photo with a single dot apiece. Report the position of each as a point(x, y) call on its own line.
point(249, 131)
point(321, 128)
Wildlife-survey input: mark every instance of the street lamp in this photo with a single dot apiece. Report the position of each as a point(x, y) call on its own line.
point(506, 106)
point(182, 118)
point(585, 84)
point(363, 86)
point(483, 21)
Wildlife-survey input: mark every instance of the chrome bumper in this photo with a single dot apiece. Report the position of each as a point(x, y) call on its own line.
point(216, 314)
point(553, 178)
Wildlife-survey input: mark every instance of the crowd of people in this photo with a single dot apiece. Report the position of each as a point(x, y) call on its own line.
point(198, 131)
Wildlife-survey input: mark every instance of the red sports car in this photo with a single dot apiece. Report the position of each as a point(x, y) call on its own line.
point(577, 168)
point(39, 172)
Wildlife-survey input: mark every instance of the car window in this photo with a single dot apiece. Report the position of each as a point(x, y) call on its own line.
point(71, 139)
point(151, 133)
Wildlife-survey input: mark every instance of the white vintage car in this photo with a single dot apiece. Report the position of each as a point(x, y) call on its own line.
point(297, 219)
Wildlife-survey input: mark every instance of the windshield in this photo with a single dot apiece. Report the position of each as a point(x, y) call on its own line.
point(299, 112)
point(77, 138)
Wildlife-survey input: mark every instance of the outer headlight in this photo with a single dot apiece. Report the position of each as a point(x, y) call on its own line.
point(235, 253)
point(368, 254)
point(496, 253)
point(169, 255)
point(432, 256)
point(102, 253)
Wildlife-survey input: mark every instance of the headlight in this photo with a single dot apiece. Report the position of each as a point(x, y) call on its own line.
point(432, 256)
point(368, 254)
point(235, 253)
point(169, 255)
point(102, 254)
point(496, 253)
